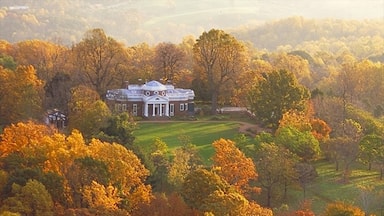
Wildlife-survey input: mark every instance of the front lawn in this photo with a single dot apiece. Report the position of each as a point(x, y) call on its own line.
point(201, 133)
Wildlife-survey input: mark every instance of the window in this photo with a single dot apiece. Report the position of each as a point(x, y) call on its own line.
point(171, 109)
point(118, 107)
point(124, 107)
point(186, 106)
point(134, 109)
point(181, 107)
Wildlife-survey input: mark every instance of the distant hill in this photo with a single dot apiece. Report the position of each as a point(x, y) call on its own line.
point(154, 21)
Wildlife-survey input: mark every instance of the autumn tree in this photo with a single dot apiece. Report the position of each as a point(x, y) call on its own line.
point(344, 150)
point(162, 204)
point(233, 166)
point(46, 57)
point(21, 95)
point(17, 137)
point(168, 61)
point(199, 184)
point(127, 173)
point(220, 59)
point(276, 170)
point(97, 60)
point(294, 63)
point(275, 94)
point(100, 196)
point(87, 112)
point(141, 59)
point(342, 208)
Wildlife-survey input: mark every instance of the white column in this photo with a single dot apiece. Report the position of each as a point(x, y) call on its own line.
point(161, 109)
point(145, 109)
point(153, 109)
point(167, 109)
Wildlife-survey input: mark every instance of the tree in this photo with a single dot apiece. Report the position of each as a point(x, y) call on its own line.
point(87, 112)
point(119, 129)
point(16, 138)
point(199, 184)
point(161, 204)
point(97, 60)
point(220, 60)
point(31, 199)
point(342, 208)
point(233, 166)
point(369, 147)
point(100, 196)
point(46, 57)
point(159, 162)
point(345, 149)
point(303, 144)
point(276, 167)
point(58, 92)
point(306, 173)
point(168, 61)
point(20, 95)
point(275, 94)
point(127, 173)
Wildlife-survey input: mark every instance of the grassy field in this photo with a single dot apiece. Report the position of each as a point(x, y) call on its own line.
point(202, 134)
point(326, 187)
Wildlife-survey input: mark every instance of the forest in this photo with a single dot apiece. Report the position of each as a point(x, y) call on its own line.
point(315, 86)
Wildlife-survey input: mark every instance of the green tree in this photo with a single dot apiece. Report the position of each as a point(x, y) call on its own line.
point(87, 112)
point(31, 199)
point(220, 60)
point(119, 129)
point(275, 94)
point(303, 144)
point(369, 148)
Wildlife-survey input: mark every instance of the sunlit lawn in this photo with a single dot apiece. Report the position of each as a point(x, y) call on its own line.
point(202, 134)
point(328, 188)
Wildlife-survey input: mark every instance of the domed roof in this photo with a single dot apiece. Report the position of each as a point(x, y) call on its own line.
point(154, 86)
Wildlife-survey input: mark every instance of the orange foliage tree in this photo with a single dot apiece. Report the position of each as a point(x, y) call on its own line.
point(233, 166)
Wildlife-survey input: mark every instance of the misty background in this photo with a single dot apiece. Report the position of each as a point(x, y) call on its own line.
point(154, 21)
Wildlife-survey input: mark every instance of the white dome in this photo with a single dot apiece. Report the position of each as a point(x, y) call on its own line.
point(154, 86)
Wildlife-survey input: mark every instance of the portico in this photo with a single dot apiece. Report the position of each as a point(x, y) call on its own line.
point(156, 106)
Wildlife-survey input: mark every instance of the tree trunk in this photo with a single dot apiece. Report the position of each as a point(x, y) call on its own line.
point(215, 96)
point(269, 197)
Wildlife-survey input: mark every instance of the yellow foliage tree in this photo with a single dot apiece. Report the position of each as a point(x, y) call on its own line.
point(99, 196)
point(125, 169)
point(18, 136)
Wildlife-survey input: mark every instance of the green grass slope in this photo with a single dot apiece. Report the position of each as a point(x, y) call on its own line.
point(202, 134)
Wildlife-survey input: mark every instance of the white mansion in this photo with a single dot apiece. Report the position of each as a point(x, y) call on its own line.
point(152, 99)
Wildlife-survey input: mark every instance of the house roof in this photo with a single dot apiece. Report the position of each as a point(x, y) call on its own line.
point(154, 86)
